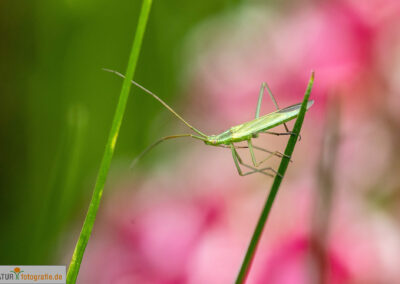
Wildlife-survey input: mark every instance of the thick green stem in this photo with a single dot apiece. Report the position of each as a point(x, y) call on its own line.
point(110, 146)
point(251, 250)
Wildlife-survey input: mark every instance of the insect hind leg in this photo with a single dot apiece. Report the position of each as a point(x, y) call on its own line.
point(271, 154)
point(282, 133)
point(238, 161)
point(264, 86)
point(275, 153)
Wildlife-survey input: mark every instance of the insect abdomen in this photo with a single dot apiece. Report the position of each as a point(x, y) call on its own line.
point(267, 121)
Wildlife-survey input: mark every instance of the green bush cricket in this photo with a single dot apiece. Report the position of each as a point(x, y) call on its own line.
point(238, 133)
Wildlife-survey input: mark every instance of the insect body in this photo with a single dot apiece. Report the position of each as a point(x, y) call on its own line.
point(239, 133)
point(250, 129)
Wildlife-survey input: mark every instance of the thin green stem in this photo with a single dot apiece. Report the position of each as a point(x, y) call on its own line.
point(251, 250)
point(110, 146)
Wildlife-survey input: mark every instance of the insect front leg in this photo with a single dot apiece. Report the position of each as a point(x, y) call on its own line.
point(253, 157)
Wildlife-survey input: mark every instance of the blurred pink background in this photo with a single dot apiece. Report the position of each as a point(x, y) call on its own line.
point(336, 216)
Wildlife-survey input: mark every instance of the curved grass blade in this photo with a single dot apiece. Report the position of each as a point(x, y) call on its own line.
point(110, 146)
point(251, 250)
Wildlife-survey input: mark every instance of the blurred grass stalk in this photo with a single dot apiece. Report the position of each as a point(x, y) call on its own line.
point(324, 196)
point(251, 250)
point(110, 146)
point(62, 189)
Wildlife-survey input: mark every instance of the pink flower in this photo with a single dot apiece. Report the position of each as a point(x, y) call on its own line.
point(197, 231)
point(282, 49)
point(152, 241)
point(299, 261)
point(376, 13)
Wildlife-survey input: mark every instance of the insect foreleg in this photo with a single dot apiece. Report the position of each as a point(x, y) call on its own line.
point(236, 147)
point(253, 157)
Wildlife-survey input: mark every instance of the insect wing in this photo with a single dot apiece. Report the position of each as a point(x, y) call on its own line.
point(268, 121)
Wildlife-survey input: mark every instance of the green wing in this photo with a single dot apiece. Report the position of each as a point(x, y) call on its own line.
point(267, 121)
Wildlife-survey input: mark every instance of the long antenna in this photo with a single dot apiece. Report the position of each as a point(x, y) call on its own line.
point(162, 140)
point(158, 99)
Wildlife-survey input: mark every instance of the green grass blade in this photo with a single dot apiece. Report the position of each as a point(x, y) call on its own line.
point(110, 146)
point(251, 250)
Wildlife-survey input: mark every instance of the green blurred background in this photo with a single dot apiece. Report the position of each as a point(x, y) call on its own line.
point(57, 106)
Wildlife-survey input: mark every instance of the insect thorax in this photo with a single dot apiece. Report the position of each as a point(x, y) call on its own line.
point(222, 138)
